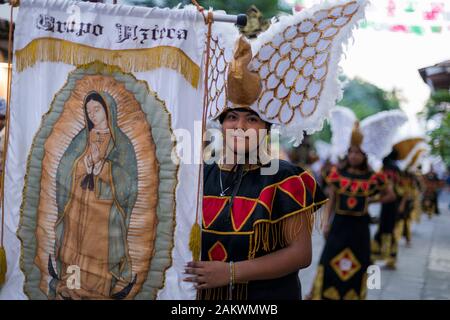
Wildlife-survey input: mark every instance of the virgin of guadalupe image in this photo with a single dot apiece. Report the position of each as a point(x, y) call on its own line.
point(96, 188)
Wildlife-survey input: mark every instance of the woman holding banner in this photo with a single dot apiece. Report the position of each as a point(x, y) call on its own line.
point(256, 229)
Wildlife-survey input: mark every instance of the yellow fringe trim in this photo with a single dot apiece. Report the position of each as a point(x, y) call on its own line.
point(363, 291)
point(3, 266)
point(268, 235)
point(240, 292)
point(386, 245)
point(130, 60)
point(332, 294)
point(351, 295)
point(195, 239)
point(375, 248)
point(318, 284)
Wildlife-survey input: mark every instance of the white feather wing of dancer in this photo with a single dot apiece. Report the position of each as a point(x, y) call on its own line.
point(379, 131)
point(342, 121)
point(297, 60)
point(223, 39)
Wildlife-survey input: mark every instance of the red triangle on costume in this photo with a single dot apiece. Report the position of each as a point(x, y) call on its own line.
point(309, 181)
point(355, 185)
point(344, 183)
point(266, 196)
point(212, 206)
point(333, 175)
point(364, 185)
point(383, 177)
point(295, 188)
point(242, 210)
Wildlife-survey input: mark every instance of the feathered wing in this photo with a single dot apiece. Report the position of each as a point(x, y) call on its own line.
point(407, 137)
point(297, 60)
point(342, 121)
point(223, 38)
point(379, 131)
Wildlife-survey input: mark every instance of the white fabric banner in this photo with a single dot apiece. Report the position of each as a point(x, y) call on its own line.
point(141, 68)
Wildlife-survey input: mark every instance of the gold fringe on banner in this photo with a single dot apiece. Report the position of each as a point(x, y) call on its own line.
point(3, 266)
point(129, 60)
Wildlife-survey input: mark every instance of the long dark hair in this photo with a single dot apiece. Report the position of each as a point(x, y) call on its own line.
point(94, 96)
point(390, 160)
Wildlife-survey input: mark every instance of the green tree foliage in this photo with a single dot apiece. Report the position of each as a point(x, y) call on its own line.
point(366, 99)
point(437, 108)
point(437, 103)
point(440, 139)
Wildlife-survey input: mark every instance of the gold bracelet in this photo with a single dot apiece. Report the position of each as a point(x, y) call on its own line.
point(233, 274)
point(231, 284)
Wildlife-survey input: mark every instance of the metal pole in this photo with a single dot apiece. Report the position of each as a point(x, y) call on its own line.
point(240, 19)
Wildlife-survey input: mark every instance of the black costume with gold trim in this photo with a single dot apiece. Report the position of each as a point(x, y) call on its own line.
point(342, 269)
point(254, 227)
point(430, 193)
point(417, 206)
point(404, 218)
point(384, 244)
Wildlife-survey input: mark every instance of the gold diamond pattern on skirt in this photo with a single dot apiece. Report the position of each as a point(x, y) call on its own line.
point(345, 264)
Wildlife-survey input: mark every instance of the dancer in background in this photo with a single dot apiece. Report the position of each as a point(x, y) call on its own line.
point(256, 231)
point(341, 273)
point(406, 206)
point(431, 186)
point(384, 245)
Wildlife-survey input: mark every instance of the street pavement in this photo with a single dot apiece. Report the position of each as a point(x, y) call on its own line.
point(423, 270)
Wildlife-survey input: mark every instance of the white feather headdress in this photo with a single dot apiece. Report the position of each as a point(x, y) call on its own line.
point(297, 62)
point(410, 145)
point(378, 132)
point(342, 121)
point(414, 157)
